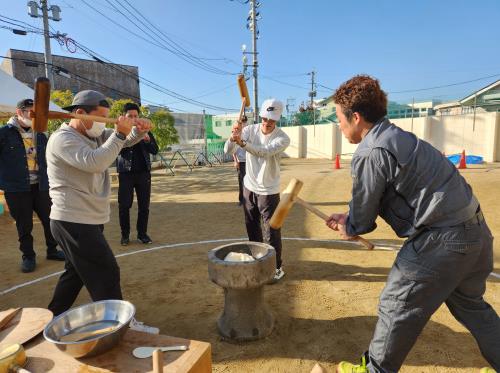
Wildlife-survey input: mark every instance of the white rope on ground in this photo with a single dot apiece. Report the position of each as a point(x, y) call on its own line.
point(171, 246)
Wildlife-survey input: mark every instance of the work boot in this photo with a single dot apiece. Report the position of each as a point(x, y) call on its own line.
point(345, 367)
point(28, 264)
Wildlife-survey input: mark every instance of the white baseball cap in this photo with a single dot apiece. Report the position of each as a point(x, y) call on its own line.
point(271, 109)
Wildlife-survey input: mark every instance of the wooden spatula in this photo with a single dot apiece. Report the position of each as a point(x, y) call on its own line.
point(8, 316)
point(75, 337)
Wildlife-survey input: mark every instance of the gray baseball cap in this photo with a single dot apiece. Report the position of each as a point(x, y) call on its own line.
point(88, 98)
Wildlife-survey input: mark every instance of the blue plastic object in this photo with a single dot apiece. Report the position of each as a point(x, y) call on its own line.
point(469, 159)
point(1, 209)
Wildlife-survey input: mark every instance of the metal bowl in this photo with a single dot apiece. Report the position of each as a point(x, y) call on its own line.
point(87, 318)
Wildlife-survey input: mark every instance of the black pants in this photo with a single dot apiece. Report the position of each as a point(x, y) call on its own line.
point(258, 209)
point(141, 182)
point(21, 206)
point(89, 262)
point(241, 176)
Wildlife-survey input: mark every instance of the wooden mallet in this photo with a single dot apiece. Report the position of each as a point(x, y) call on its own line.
point(289, 197)
point(245, 98)
point(41, 114)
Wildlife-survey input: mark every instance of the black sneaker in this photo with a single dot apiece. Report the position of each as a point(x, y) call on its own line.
point(145, 239)
point(56, 255)
point(124, 241)
point(28, 265)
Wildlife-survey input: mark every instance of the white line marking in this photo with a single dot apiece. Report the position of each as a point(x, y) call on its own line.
point(170, 246)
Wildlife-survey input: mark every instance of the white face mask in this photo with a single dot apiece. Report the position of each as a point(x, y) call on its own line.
point(27, 122)
point(96, 130)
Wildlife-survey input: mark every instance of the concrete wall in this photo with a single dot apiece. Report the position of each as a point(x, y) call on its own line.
point(454, 133)
point(320, 141)
point(451, 134)
point(297, 145)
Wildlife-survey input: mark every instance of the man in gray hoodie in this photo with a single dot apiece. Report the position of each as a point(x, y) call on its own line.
point(78, 157)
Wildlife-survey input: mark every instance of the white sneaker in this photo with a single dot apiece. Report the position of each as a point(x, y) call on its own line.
point(278, 275)
point(140, 327)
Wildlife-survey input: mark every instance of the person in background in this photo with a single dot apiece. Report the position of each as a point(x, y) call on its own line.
point(23, 178)
point(134, 173)
point(240, 164)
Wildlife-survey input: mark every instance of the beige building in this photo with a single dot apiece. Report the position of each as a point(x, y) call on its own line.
point(486, 99)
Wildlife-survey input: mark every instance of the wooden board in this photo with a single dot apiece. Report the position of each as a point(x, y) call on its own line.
point(43, 356)
point(27, 324)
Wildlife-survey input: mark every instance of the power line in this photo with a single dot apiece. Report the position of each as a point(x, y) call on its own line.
point(446, 85)
point(72, 75)
point(153, 39)
point(145, 81)
point(170, 40)
point(283, 83)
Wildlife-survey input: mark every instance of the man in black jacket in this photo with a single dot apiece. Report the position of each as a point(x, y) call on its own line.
point(134, 169)
point(23, 178)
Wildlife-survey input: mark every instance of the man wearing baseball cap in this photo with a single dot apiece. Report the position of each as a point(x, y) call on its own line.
point(264, 143)
point(78, 157)
point(23, 178)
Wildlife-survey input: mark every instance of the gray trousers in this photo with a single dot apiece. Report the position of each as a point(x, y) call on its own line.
point(442, 265)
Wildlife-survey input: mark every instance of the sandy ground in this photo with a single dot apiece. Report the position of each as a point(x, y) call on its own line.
point(325, 306)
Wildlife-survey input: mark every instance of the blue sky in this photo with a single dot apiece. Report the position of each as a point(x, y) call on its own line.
point(407, 45)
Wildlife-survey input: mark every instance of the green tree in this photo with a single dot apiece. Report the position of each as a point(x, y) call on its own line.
point(164, 130)
point(61, 99)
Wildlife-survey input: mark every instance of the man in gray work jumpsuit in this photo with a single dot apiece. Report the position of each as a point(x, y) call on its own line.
point(448, 253)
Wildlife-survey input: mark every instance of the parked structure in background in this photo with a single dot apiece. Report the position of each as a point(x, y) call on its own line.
point(223, 123)
point(483, 100)
point(75, 74)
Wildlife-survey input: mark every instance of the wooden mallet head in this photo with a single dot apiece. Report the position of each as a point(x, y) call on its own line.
point(242, 85)
point(245, 97)
point(287, 199)
point(41, 105)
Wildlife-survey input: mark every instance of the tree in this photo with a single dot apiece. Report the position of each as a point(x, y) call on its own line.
point(164, 130)
point(118, 106)
point(61, 99)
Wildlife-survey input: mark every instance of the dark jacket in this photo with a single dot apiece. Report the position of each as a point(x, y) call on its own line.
point(406, 181)
point(14, 174)
point(124, 160)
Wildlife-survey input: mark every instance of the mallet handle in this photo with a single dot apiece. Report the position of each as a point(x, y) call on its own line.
point(325, 217)
point(242, 109)
point(61, 115)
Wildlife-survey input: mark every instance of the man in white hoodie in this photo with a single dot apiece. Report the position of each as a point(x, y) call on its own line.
point(263, 143)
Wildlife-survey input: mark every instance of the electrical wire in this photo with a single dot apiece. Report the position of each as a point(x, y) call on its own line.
point(145, 81)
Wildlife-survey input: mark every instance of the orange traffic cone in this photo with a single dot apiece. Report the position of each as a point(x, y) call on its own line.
point(462, 164)
point(337, 162)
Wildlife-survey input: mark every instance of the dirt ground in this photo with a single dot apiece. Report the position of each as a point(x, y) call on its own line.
point(326, 305)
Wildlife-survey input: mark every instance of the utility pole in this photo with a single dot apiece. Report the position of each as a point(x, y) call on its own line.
point(56, 16)
point(205, 135)
point(46, 36)
point(312, 94)
point(252, 26)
